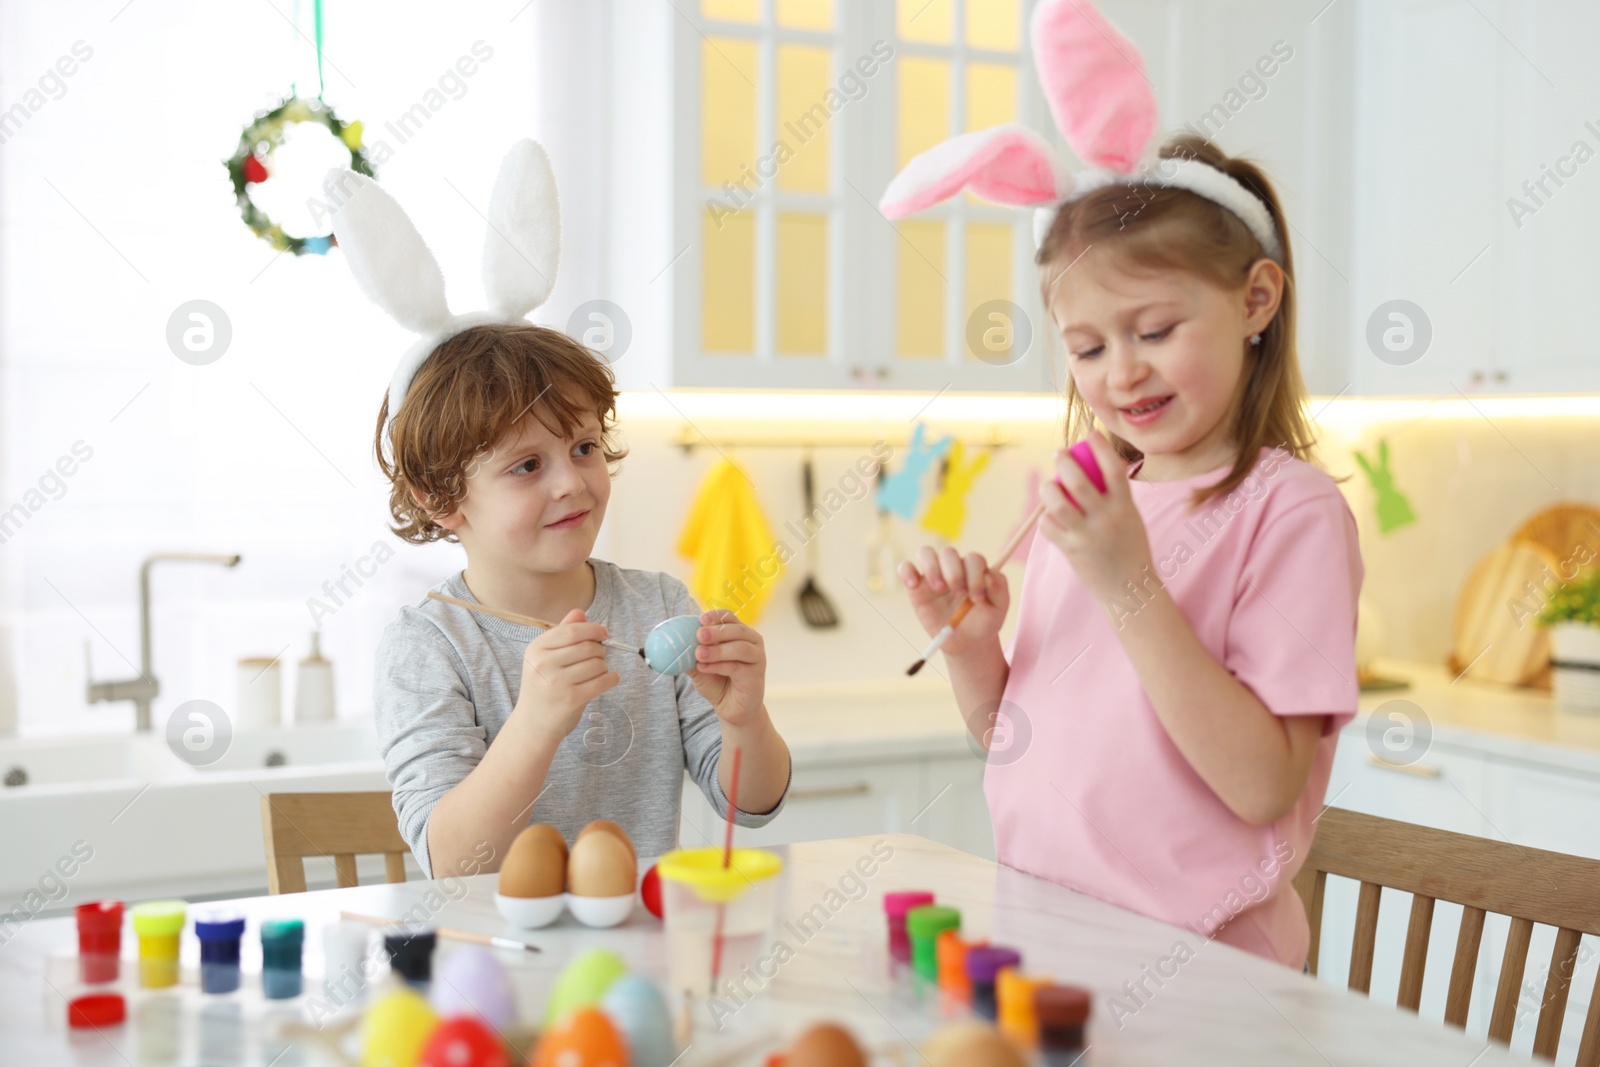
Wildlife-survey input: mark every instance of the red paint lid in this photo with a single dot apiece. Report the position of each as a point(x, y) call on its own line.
point(896, 905)
point(100, 917)
point(97, 1009)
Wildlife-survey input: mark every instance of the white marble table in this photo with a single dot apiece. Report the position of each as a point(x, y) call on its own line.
point(1221, 1007)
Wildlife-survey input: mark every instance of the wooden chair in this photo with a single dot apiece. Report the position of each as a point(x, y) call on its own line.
point(1529, 885)
point(341, 825)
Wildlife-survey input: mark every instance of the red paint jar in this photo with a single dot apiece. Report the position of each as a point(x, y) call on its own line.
point(100, 941)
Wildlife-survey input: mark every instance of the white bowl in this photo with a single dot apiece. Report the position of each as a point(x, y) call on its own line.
point(530, 913)
point(601, 911)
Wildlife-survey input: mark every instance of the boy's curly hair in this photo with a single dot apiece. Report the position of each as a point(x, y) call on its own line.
point(474, 389)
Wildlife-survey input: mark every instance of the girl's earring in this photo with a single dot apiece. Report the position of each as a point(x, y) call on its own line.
point(1255, 338)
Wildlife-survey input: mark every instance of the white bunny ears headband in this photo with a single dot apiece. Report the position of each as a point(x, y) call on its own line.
point(397, 271)
point(1095, 84)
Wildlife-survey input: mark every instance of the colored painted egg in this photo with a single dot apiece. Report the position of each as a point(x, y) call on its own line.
point(395, 1028)
point(583, 983)
point(472, 981)
point(586, 1038)
point(825, 1045)
point(536, 863)
point(463, 1042)
point(602, 865)
point(638, 1010)
point(670, 644)
point(650, 891)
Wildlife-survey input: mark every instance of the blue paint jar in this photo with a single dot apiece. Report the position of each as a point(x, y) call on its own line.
point(281, 941)
point(220, 933)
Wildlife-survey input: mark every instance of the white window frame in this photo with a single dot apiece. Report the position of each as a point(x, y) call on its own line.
point(862, 245)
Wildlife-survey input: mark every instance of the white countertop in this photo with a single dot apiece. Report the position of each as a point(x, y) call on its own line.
point(1221, 1006)
point(1509, 722)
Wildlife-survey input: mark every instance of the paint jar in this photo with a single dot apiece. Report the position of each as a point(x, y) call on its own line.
point(951, 953)
point(220, 933)
point(157, 923)
point(99, 941)
point(1062, 1011)
point(410, 950)
point(895, 906)
point(345, 967)
point(1013, 991)
point(281, 941)
point(983, 967)
point(924, 924)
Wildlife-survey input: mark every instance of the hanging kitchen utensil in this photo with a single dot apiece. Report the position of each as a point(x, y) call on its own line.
point(882, 540)
point(815, 607)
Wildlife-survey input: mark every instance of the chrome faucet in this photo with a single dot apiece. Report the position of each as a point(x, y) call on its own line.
point(144, 689)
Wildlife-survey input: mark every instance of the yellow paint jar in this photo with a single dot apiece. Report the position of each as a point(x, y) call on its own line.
point(158, 925)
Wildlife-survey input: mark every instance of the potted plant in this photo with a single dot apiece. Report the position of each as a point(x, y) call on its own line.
point(1573, 618)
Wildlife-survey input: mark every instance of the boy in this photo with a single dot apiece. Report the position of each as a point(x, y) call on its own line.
point(503, 442)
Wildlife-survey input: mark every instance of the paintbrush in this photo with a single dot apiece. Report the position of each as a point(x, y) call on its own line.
point(525, 620)
point(727, 861)
point(966, 605)
point(1084, 455)
point(491, 940)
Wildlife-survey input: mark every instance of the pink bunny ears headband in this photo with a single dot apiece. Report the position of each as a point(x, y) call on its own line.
point(1094, 81)
point(397, 271)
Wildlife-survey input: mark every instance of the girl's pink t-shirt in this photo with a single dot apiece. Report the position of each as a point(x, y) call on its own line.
point(1086, 788)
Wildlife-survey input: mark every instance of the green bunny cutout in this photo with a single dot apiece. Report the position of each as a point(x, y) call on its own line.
point(1394, 510)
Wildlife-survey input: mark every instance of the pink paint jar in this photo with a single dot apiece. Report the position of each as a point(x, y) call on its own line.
point(895, 906)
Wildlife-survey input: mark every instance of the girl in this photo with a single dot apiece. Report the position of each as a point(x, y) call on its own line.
point(1184, 650)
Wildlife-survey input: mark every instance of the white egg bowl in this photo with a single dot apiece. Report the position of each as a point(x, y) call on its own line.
point(530, 913)
point(601, 911)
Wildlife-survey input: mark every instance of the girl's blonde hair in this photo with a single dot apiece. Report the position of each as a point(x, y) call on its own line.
point(1158, 228)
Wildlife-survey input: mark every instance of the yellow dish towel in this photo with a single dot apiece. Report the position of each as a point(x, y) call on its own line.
point(737, 563)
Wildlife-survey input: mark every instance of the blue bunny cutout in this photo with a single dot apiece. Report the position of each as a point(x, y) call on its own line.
point(901, 491)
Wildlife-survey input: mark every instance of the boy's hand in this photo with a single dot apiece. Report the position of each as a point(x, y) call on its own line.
point(563, 669)
point(1106, 541)
point(730, 668)
point(940, 581)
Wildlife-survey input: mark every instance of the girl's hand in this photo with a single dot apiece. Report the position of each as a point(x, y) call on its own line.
point(939, 582)
point(1106, 542)
point(730, 668)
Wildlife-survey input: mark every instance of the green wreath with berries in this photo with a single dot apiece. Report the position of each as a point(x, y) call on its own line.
point(250, 166)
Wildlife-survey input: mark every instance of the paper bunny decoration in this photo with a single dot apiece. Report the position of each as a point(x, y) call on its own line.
point(947, 511)
point(899, 492)
point(1394, 510)
point(1094, 82)
point(396, 270)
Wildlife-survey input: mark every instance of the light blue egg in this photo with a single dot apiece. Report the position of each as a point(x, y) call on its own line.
point(669, 646)
point(636, 1007)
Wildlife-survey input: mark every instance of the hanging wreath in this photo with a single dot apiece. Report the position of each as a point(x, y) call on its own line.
point(250, 165)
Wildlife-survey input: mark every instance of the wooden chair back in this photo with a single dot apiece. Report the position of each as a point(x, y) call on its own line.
point(1527, 884)
point(341, 825)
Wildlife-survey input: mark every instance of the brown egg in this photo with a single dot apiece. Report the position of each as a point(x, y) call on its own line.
point(971, 1044)
point(601, 865)
point(825, 1045)
point(607, 826)
point(536, 863)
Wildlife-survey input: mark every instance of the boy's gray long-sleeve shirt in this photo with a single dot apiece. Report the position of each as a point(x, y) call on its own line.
point(448, 678)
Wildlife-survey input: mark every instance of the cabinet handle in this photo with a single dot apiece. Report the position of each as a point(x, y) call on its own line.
point(854, 790)
point(1419, 770)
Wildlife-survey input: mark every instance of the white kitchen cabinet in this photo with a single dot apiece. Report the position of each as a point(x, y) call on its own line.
point(935, 797)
